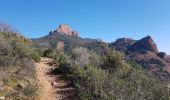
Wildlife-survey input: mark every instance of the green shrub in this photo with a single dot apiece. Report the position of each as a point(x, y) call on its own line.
point(13, 95)
point(60, 57)
point(13, 50)
point(115, 62)
point(35, 56)
point(62, 60)
point(9, 81)
point(39, 51)
point(90, 82)
point(2, 93)
point(30, 90)
point(82, 56)
point(16, 59)
point(48, 52)
point(114, 79)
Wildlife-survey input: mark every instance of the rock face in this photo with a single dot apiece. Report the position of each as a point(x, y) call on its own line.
point(168, 58)
point(146, 43)
point(163, 55)
point(145, 53)
point(130, 45)
point(60, 46)
point(123, 44)
point(65, 30)
point(151, 62)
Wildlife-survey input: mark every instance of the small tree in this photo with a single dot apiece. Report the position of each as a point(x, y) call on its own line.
point(115, 63)
point(7, 28)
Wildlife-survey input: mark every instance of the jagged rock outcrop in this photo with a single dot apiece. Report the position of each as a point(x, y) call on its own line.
point(65, 30)
point(145, 53)
point(163, 55)
point(123, 44)
point(146, 43)
point(127, 45)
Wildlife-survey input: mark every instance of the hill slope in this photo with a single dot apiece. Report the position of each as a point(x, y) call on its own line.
point(143, 51)
point(66, 42)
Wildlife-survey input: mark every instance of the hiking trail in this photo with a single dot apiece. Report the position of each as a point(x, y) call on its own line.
point(52, 86)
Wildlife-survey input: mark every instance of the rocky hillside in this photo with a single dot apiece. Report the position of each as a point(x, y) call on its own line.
point(63, 38)
point(17, 80)
point(145, 52)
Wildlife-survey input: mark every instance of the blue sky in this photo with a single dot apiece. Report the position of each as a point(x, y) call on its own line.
point(105, 19)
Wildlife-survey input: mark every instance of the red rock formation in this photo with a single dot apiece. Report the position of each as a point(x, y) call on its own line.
point(146, 43)
point(65, 30)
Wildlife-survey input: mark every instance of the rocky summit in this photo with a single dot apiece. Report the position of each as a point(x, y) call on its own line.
point(65, 30)
point(145, 53)
point(131, 45)
point(146, 43)
point(123, 44)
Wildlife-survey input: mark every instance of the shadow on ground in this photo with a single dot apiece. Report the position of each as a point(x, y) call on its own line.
point(63, 86)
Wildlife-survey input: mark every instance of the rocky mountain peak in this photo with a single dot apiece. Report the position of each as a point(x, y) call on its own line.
point(65, 30)
point(122, 44)
point(146, 43)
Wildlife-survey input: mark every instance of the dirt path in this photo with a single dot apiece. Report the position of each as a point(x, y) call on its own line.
point(52, 86)
point(45, 90)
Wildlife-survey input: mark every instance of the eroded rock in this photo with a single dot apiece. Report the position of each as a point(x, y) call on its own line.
point(146, 43)
point(65, 30)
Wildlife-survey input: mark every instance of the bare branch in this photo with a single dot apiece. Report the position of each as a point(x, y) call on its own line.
point(7, 28)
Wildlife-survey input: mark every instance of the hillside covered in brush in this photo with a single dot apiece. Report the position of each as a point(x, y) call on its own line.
point(143, 51)
point(17, 74)
point(63, 40)
point(126, 69)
